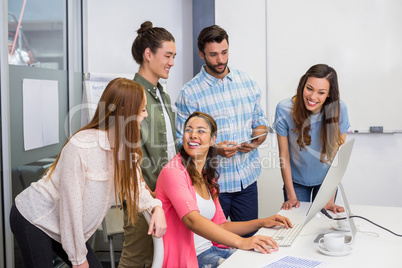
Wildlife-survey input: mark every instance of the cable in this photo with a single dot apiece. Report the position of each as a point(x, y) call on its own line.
point(372, 234)
point(360, 217)
point(324, 211)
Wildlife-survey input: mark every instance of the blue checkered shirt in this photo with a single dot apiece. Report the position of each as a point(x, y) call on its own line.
point(234, 103)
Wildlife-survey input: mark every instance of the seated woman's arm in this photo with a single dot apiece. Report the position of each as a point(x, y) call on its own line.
point(213, 232)
point(246, 227)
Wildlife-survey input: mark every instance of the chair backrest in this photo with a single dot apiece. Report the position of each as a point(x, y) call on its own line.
point(158, 246)
point(113, 222)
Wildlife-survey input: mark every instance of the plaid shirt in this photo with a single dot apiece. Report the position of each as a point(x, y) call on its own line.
point(234, 103)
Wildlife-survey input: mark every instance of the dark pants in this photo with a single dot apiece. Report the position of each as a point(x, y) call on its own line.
point(241, 206)
point(37, 248)
point(138, 247)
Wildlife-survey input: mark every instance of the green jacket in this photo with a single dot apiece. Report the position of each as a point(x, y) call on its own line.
point(153, 132)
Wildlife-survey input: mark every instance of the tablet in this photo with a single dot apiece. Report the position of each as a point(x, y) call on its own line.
point(252, 138)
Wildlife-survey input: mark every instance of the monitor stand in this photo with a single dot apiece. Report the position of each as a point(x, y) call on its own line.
point(350, 236)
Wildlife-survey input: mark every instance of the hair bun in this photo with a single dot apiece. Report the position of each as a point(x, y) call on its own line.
point(145, 27)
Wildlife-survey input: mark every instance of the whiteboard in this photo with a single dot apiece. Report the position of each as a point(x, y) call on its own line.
point(360, 39)
point(93, 86)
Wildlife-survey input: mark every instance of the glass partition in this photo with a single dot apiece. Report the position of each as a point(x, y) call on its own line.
point(36, 33)
point(42, 44)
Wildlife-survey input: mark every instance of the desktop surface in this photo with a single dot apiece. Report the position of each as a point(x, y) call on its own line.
point(367, 250)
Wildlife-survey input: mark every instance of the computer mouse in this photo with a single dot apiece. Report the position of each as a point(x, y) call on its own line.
point(272, 250)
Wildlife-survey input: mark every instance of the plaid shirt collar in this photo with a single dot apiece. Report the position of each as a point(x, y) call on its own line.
point(210, 80)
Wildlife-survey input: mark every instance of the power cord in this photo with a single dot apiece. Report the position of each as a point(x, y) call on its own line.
point(324, 211)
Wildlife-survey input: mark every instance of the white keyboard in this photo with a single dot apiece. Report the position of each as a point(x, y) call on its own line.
point(285, 237)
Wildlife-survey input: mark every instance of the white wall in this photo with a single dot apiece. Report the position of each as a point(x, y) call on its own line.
point(244, 21)
point(111, 27)
point(374, 175)
point(361, 39)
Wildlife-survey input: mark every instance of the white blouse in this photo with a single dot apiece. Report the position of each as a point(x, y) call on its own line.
point(207, 209)
point(70, 206)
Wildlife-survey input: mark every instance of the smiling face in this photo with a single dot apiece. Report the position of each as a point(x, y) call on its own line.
point(315, 92)
point(197, 138)
point(161, 62)
point(216, 57)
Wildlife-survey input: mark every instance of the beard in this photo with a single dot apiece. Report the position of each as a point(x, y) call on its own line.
point(213, 68)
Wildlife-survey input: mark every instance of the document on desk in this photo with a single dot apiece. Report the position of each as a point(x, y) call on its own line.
point(295, 262)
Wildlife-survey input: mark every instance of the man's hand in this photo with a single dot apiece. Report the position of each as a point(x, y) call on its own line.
point(247, 147)
point(227, 149)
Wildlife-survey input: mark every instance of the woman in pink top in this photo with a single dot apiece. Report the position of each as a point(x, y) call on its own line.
point(188, 189)
point(97, 165)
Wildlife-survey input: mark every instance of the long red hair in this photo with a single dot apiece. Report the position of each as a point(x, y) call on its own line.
point(118, 109)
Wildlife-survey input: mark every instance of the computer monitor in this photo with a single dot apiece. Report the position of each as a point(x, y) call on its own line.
point(327, 190)
point(332, 183)
point(332, 179)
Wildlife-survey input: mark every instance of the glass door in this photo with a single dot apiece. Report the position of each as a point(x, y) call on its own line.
point(44, 46)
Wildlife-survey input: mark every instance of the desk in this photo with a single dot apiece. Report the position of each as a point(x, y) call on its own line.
point(368, 251)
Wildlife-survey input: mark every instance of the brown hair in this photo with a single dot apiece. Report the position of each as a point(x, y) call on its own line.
point(210, 173)
point(119, 107)
point(151, 37)
point(330, 134)
point(211, 34)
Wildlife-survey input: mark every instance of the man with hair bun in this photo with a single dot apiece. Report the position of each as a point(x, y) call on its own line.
point(154, 50)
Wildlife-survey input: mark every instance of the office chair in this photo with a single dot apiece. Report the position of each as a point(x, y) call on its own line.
point(112, 225)
point(158, 246)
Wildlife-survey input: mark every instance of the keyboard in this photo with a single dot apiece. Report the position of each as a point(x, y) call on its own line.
point(285, 237)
